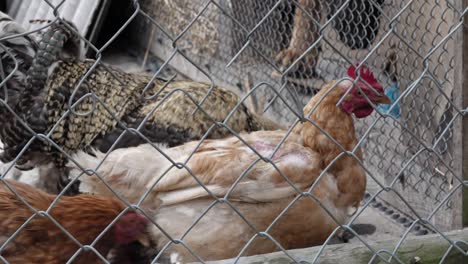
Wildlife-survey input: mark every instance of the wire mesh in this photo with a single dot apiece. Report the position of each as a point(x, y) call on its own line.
point(276, 55)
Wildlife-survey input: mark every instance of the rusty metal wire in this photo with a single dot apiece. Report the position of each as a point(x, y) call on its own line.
point(411, 149)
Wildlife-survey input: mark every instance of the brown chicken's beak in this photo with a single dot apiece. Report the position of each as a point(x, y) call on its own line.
point(383, 99)
point(144, 240)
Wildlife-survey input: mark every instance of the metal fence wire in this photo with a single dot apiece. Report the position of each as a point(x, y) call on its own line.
point(275, 55)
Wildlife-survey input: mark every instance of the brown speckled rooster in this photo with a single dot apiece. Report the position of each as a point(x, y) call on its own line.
point(107, 101)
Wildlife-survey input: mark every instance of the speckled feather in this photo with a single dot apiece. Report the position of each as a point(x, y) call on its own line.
point(28, 91)
point(16, 57)
point(122, 97)
point(46, 101)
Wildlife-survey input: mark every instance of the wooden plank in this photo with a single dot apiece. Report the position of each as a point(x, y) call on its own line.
point(422, 249)
point(463, 84)
point(460, 92)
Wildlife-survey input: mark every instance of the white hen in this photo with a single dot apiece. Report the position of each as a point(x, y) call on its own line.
point(258, 198)
point(261, 195)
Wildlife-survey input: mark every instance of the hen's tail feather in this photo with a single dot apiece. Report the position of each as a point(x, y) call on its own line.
point(21, 46)
point(84, 159)
point(17, 50)
point(88, 161)
point(54, 41)
point(51, 47)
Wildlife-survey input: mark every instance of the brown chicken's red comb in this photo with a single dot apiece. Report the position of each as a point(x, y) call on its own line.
point(366, 75)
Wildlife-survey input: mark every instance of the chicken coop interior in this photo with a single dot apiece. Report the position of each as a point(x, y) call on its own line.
point(222, 131)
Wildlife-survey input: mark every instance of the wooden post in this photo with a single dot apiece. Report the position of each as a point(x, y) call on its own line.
point(427, 249)
point(462, 82)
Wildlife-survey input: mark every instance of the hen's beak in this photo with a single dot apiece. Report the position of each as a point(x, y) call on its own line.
point(144, 240)
point(383, 99)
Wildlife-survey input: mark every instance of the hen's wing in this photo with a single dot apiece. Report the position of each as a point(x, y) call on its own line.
point(218, 164)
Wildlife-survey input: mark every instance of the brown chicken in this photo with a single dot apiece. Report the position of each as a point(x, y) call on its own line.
point(357, 25)
point(85, 217)
point(257, 189)
point(305, 33)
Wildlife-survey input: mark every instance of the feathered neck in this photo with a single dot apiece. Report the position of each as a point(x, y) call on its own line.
point(332, 120)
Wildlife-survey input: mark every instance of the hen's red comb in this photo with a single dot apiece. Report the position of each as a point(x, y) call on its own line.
point(366, 75)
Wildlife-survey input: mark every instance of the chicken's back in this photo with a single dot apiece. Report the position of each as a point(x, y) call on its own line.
point(41, 240)
point(29, 245)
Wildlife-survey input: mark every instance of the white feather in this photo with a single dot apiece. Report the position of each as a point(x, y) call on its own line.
point(260, 195)
point(8, 171)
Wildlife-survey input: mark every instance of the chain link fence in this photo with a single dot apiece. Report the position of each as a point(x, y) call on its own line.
point(276, 55)
point(414, 41)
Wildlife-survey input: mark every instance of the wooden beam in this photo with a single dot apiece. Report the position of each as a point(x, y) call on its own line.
point(462, 82)
point(416, 250)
